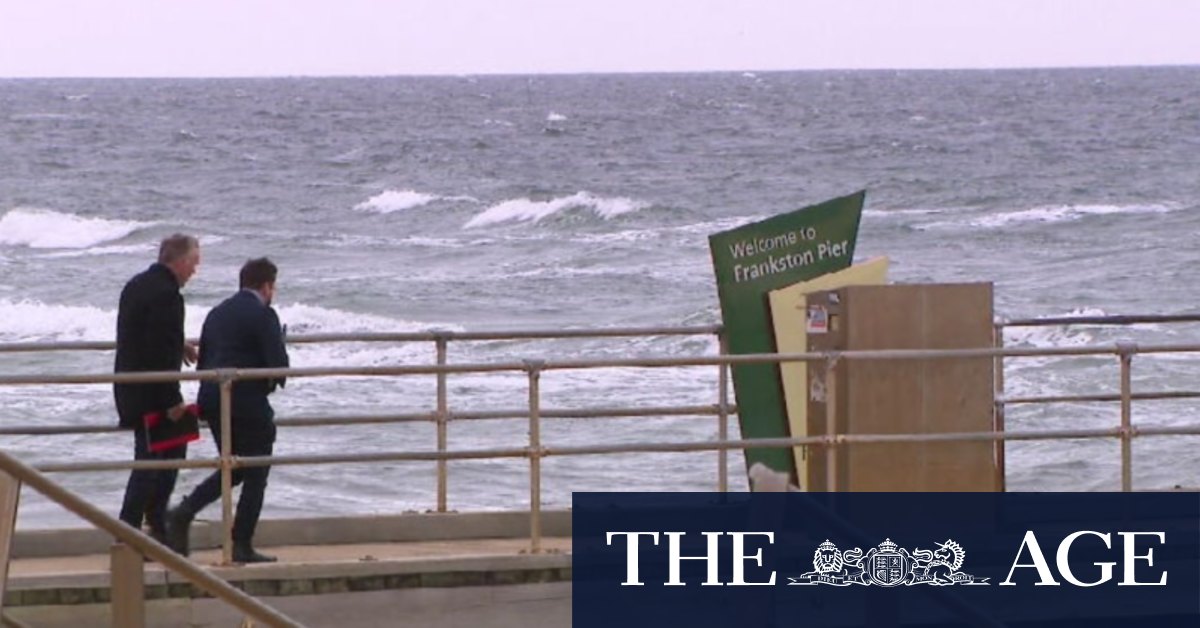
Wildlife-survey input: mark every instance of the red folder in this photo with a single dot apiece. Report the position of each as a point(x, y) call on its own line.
point(163, 434)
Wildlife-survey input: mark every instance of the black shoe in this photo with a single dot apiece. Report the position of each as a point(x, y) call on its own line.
point(179, 526)
point(247, 554)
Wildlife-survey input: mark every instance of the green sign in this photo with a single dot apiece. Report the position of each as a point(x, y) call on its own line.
point(754, 259)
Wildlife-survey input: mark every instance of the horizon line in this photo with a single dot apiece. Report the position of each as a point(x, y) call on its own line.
point(434, 74)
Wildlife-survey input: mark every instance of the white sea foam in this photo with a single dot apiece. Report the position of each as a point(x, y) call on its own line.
point(527, 210)
point(1063, 213)
point(48, 229)
point(556, 117)
point(44, 115)
point(148, 249)
point(1054, 335)
point(901, 213)
point(312, 319)
point(115, 249)
point(390, 201)
point(23, 320)
point(33, 321)
point(1048, 214)
point(303, 318)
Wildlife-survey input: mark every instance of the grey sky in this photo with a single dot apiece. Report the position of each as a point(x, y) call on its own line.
point(373, 37)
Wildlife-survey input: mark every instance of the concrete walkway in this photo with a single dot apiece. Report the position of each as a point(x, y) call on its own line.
point(433, 582)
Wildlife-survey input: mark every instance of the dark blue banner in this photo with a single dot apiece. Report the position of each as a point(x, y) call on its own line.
point(1102, 560)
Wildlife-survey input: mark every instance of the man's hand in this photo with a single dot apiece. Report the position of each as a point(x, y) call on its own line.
point(191, 352)
point(177, 411)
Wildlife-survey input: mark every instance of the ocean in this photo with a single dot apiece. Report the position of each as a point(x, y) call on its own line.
point(477, 203)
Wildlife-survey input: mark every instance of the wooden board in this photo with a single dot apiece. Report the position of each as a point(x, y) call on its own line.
point(921, 396)
point(789, 310)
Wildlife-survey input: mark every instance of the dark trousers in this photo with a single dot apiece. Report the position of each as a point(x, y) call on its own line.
point(258, 440)
point(149, 490)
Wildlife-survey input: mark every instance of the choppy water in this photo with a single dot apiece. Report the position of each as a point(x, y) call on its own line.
point(400, 204)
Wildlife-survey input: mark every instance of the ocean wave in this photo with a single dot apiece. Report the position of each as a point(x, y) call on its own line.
point(390, 201)
point(902, 213)
point(48, 229)
point(312, 319)
point(1050, 336)
point(704, 229)
point(35, 116)
point(148, 248)
point(527, 210)
point(33, 321)
point(1047, 214)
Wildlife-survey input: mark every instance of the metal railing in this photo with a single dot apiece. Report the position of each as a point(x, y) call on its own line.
point(535, 450)
point(126, 562)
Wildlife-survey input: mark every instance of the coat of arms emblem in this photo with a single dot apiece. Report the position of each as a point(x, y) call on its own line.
point(888, 565)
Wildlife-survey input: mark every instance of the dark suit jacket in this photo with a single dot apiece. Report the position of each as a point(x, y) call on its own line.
point(149, 338)
point(242, 332)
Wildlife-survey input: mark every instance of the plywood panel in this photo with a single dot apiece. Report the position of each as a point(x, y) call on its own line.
point(914, 396)
point(789, 308)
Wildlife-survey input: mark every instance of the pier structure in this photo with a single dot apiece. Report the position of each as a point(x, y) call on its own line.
point(440, 568)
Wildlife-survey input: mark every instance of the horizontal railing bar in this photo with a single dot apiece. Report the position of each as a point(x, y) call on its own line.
point(125, 465)
point(425, 336)
point(515, 413)
point(597, 413)
point(32, 347)
point(526, 334)
point(849, 439)
point(609, 332)
point(1115, 319)
point(523, 452)
point(532, 334)
point(482, 367)
point(1150, 396)
point(258, 461)
point(51, 430)
point(818, 441)
point(1163, 431)
point(384, 456)
point(425, 417)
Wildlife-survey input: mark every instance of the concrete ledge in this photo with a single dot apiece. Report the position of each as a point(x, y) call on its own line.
point(285, 579)
point(271, 587)
point(543, 605)
point(316, 531)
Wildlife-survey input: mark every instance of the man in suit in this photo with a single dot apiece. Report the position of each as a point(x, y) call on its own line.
point(150, 338)
point(242, 332)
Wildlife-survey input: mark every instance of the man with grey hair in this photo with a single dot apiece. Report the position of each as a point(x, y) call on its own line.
point(150, 338)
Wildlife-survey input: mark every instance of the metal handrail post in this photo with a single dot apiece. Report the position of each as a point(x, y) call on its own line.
point(442, 420)
point(128, 580)
point(831, 433)
point(534, 367)
point(999, 408)
point(227, 467)
point(1126, 351)
point(10, 499)
point(723, 415)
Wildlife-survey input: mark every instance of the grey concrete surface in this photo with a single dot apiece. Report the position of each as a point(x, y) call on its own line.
point(517, 606)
